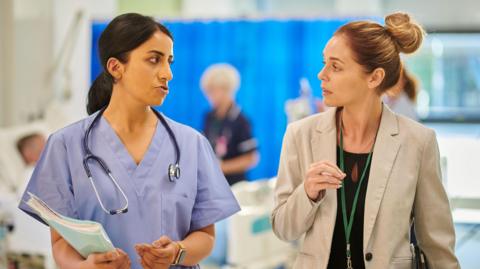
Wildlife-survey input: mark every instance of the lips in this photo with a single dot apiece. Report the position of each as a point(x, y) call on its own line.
point(326, 92)
point(163, 89)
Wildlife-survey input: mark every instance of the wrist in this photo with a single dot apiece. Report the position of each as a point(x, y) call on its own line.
point(180, 253)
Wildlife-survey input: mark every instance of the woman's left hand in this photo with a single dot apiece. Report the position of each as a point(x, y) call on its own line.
point(159, 255)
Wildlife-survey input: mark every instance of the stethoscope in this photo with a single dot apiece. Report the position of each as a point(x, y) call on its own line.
point(173, 169)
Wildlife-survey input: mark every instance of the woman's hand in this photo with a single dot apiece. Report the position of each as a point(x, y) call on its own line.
point(159, 255)
point(116, 259)
point(321, 176)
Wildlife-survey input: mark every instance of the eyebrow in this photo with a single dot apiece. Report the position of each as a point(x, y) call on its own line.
point(160, 53)
point(336, 59)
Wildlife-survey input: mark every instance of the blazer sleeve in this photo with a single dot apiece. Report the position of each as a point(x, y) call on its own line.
point(293, 212)
point(433, 219)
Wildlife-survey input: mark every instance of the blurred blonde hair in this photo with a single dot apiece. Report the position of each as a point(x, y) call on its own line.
point(221, 75)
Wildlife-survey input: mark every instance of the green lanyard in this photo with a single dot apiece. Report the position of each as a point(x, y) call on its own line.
point(347, 227)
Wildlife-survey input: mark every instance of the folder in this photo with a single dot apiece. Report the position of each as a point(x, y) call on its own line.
point(83, 235)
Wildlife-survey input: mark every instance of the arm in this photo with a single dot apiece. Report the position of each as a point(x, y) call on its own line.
point(433, 219)
point(293, 212)
point(63, 253)
point(198, 244)
point(240, 164)
point(67, 257)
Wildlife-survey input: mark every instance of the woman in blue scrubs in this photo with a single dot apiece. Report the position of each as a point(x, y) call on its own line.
point(171, 215)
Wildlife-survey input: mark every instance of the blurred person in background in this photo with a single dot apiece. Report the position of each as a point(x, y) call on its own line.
point(402, 97)
point(226, 128)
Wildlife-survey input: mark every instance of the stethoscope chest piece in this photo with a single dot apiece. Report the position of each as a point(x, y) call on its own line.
point(173, 172)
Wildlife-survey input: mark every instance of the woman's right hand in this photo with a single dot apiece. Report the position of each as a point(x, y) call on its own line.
point(320, 176)
point(116, 259)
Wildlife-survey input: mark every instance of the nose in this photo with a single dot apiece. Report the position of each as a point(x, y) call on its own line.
point(165, 73)
point(321, 75)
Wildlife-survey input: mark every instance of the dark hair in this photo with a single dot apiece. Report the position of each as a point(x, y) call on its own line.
point(122, 35)
point(410, 85)
point(375, 46)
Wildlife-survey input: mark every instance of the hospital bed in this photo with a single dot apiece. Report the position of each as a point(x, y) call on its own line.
point(246, 239)
point(28, 237)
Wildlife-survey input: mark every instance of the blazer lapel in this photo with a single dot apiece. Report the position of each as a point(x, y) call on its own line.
point(384, 155)
point(324, 147)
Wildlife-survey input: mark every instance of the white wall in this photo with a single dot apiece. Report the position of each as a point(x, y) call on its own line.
point(26, 55)
point(33, 34)
point(440, 14)
point(435, 14)
point(6, 58)
point(32, 54)
point(79, 66)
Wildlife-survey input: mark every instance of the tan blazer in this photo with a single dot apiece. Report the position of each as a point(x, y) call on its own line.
point(404, 180)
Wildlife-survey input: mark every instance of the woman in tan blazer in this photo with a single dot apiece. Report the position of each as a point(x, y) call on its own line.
point(360, 156)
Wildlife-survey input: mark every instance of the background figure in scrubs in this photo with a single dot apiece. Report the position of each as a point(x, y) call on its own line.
point(136, 53)
point(227, 129)
point(402, 97)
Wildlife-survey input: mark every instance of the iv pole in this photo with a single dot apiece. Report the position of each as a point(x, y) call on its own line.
point(62, 62)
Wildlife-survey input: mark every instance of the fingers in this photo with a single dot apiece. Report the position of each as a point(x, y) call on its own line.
point(124, 259)
point(322, 179)
point(121, 262)
point(326, 167)
point(324, 186)
point(321, 176)
point(159, 253)
point(151, 261)
point(162, 242)
point(155, 257)
point(104, 257)
point(146, 263)
point(141, 248)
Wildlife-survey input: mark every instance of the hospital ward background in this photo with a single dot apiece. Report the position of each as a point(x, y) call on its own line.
point(48, 59)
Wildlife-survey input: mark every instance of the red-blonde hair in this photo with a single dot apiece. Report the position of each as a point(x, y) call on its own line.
point(376, 46)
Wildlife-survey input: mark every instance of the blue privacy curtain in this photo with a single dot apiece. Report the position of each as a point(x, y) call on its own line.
point(271, 56)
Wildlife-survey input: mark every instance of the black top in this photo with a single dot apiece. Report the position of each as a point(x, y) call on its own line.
point(230, 137)
point(338, 257)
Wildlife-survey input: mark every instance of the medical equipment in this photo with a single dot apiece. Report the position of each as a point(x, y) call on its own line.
point(6, 226)
point(304, 105)
point(173, 169)
point(251, 241)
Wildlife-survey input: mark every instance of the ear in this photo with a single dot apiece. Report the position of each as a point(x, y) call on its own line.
point(115, 68)
point(376, 78)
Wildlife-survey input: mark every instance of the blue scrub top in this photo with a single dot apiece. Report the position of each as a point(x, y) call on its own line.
point(156, 206)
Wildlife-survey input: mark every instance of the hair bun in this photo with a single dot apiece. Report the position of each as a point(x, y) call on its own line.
point(407, 34)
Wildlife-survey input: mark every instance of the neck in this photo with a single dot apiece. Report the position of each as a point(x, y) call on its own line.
point(125, 113)
point(222, 110)
point(361, 121)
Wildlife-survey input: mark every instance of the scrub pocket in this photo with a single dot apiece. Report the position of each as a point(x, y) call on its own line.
point(176, 215)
